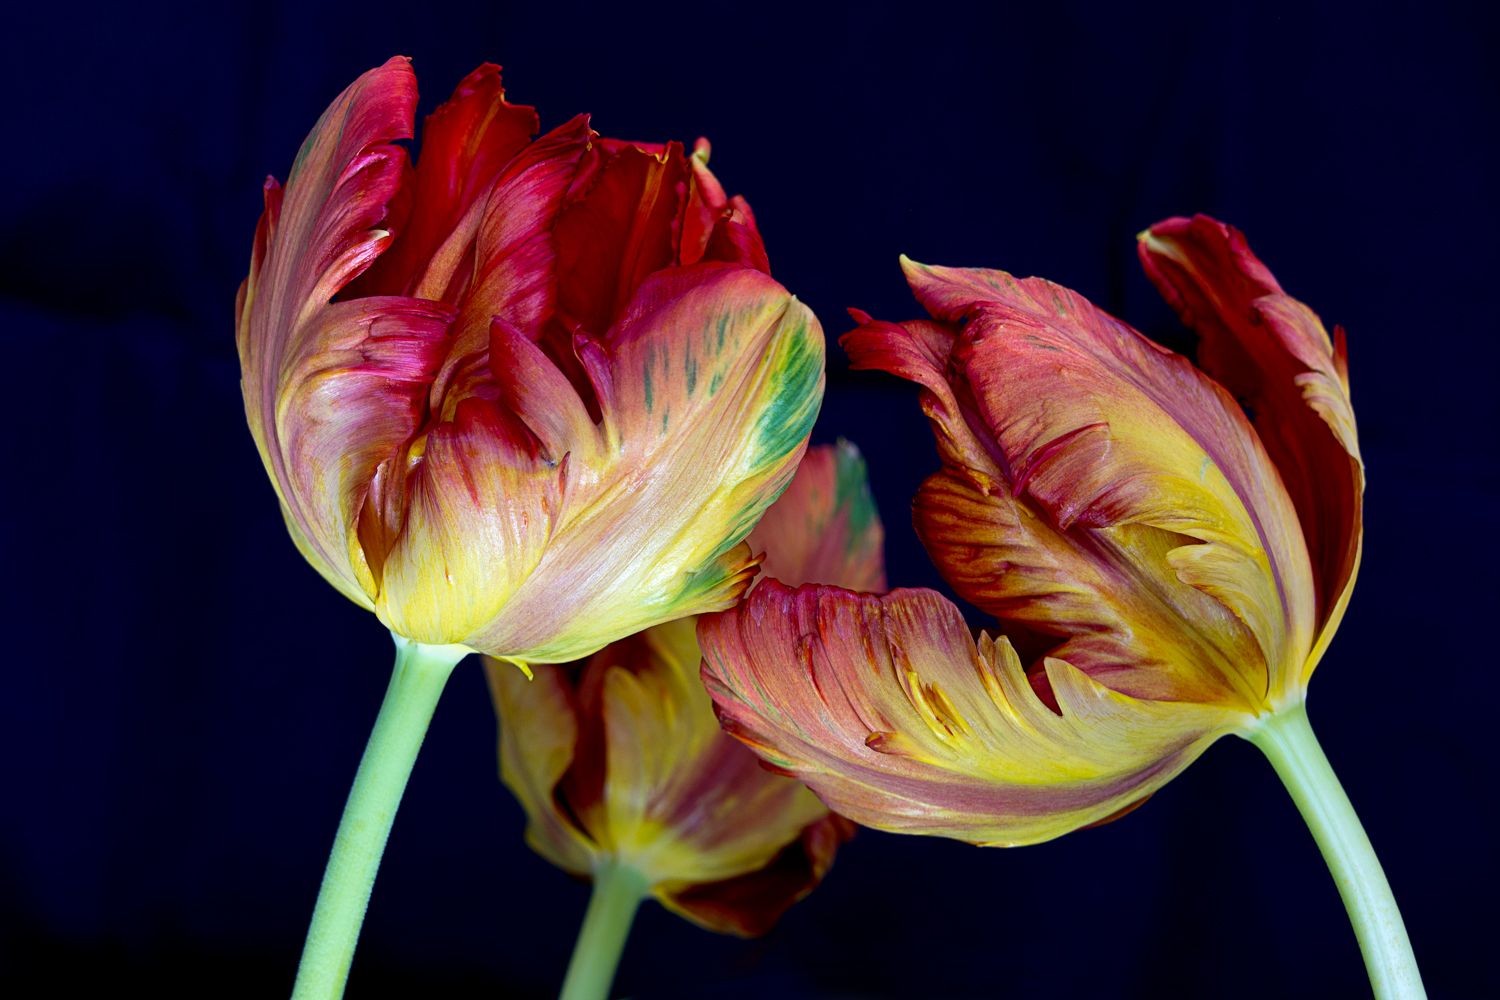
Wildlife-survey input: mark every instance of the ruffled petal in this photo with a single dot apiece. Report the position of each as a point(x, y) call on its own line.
point(708, 389)
point(331, 391)
point(343, 412)
point(1272, 353)
point(824, 528)
point(887, 708)
point(733, 242)
point(465, 144)
point(537, 734)
point(918, 351)
point(1128, 621)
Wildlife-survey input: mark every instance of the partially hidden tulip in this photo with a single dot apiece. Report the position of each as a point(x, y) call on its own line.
point(1168, 549)
point(627, 780)
point(526, 396)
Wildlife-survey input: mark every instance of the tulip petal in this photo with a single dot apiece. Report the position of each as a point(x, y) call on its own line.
point(1110, 593)
point(537, 734)
point(465, 144)
point(750, 905)
point(707, 204)
point(347, 408)
point(733, 242)
point(333, 390)
point(623, 228)
point(708, 389)
point(481, 509)
point(824, 528)
point(1272, 353)
point(887, 708)
point(684, 802)
point(510, 261)
point(531, 386)
point(1100, 429)
point(918, 351)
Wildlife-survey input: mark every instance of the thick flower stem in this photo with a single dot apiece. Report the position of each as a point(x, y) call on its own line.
point(1287, 739)
point(416, 684)
point(618, 891)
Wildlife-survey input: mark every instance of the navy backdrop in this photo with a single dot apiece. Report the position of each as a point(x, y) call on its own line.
point(184, 700)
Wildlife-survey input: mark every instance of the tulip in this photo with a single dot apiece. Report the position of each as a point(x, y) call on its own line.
point(627, 780)
point(526, 397)
point(1168, 549)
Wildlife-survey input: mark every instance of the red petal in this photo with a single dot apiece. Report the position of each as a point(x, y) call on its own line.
point(624, 227)
point(513, 256)
point(734, 242)
point(465, 144)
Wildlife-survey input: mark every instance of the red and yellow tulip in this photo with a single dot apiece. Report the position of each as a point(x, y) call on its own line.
point(1169, 550)
point(527, 396)
point(619, 760)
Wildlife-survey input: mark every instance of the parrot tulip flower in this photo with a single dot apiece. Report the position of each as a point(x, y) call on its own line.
point(1168, 549)
point(526, 397)
point(627, 779)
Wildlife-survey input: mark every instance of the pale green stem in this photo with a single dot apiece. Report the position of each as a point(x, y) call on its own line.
point(1287, 739)
point(416, 684)
point(618, 891)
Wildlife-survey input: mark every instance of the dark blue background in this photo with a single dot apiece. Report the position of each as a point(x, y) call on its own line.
point(184, 700)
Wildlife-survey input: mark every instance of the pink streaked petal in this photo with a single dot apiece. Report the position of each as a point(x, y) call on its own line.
point(708, 389)
point(824, 528)
point(531, 386)
point(343, 411)
point(888, 710)
point(918, 351)
point(1271, 352)
point(1108, 595)
point(338, 188)
point(331, 391)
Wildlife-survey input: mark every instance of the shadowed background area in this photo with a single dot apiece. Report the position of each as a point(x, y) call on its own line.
point(185, 700)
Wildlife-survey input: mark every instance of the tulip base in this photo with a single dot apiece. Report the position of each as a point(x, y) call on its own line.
point(1287, 740)
point(618, 891)
point(417, 682)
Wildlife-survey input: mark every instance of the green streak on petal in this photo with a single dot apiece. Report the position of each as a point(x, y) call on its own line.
point(690, 369)
point(792, 395)
point(646, 381)
point(715, 382)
